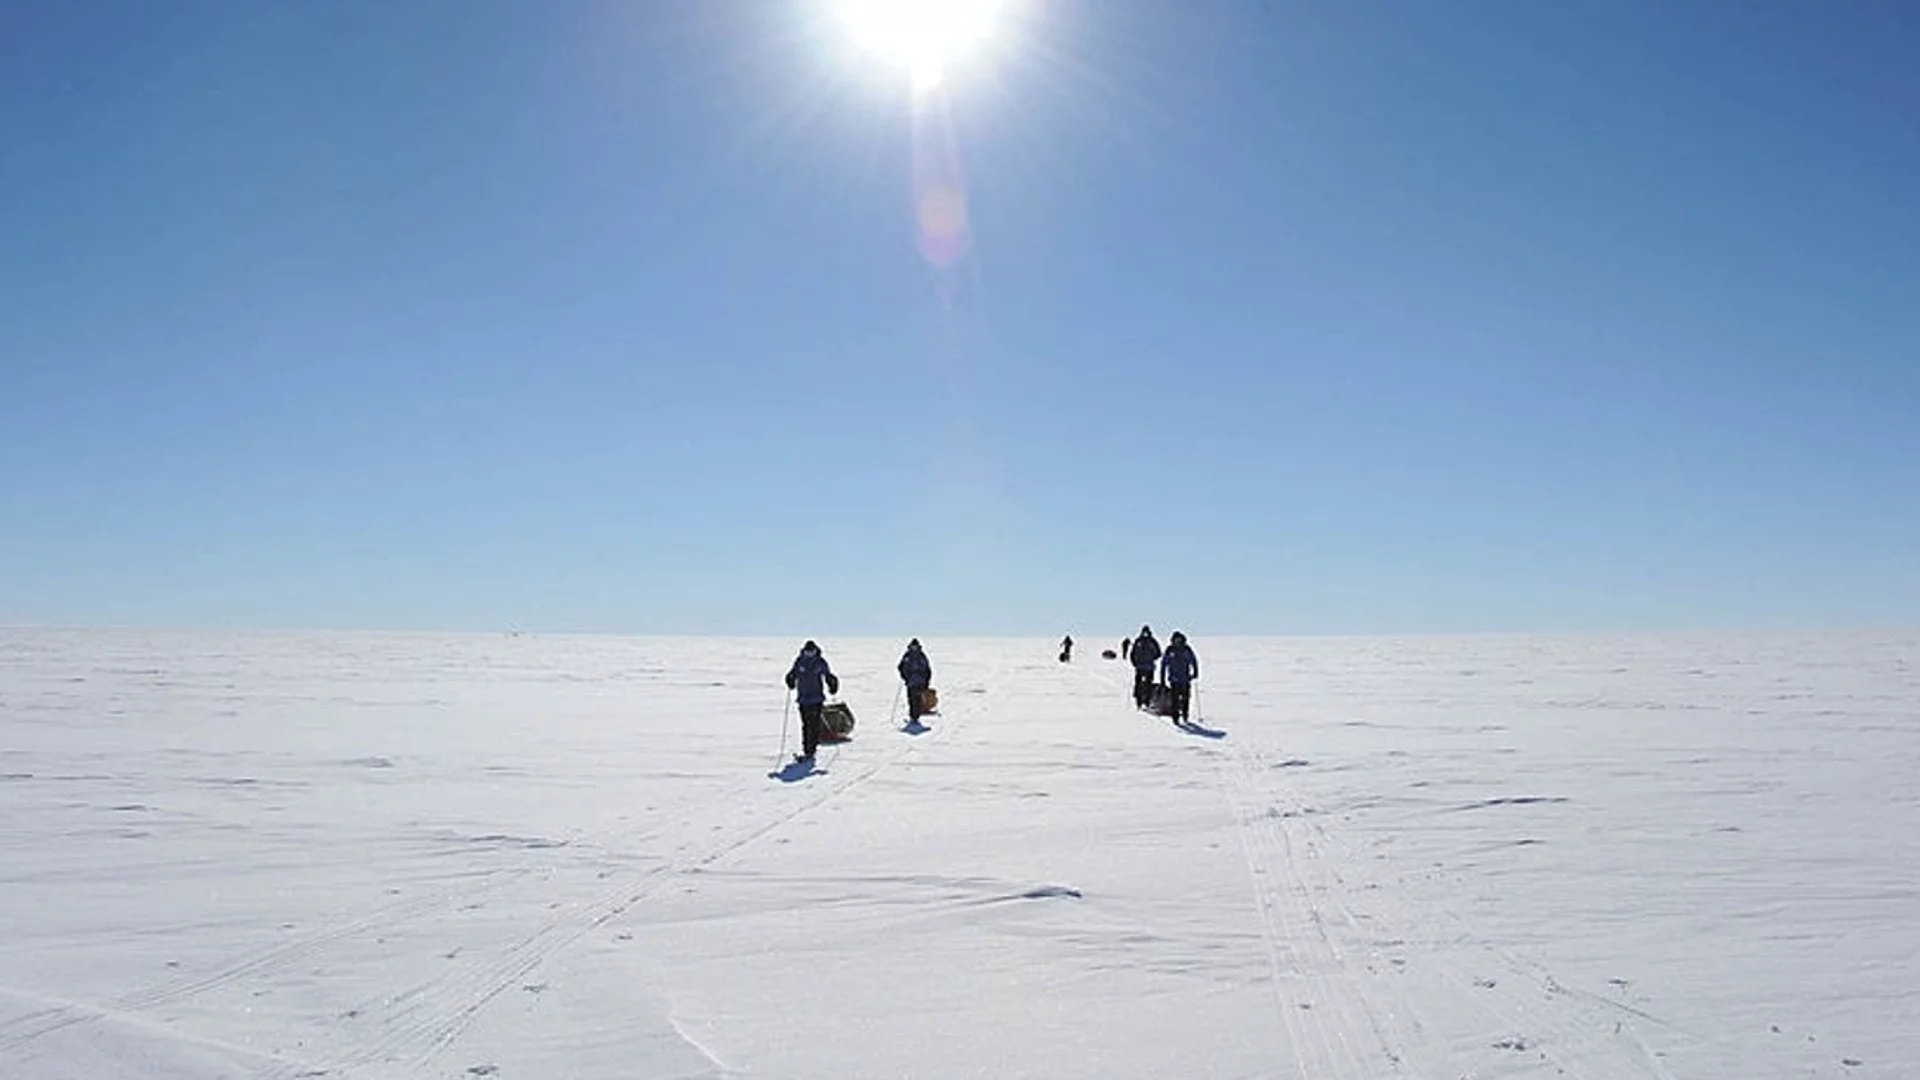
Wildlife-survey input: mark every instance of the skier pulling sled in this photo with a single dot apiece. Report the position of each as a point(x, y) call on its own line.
point(1171, 695)
point(1179, 668)
point(916, 671)
point(811, 680)
point(1145, 656)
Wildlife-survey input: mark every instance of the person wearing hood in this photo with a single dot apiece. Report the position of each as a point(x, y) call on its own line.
point(1180, 668)
point(1144, 655)
point(917, 672)
point(812, 680)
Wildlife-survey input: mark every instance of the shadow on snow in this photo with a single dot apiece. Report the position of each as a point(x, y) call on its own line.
point(796, 770)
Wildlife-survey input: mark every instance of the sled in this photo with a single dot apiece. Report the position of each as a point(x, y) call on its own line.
point(1109, 654)
point(1162, 701)
point(837, 720)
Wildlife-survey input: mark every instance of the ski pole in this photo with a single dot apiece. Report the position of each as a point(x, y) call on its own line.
point(785, 711)
point(893, 710)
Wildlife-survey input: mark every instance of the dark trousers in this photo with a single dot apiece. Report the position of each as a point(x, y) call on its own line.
point(811, 728)
point(1142, 687)
point(1182, 695)
point(914, 710)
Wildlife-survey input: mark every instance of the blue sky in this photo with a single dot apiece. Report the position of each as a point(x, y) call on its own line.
point(1277, 317)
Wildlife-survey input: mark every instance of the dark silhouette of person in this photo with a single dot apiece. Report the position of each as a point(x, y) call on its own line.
point(811, 680)
point(917, 672)
point(1179, 668)
point(1144, 655)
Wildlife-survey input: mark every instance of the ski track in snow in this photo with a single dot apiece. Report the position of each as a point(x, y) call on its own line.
point(1530, 1016)
point(424, 1022)
point(1338, 1021)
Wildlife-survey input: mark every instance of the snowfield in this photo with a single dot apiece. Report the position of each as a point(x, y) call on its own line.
point(374, 857)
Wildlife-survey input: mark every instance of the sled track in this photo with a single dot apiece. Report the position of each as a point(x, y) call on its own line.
point(23, 1029)
point(1336, 1013)
point(20, 1030)
point(1535, 1025)
point(421, 1023)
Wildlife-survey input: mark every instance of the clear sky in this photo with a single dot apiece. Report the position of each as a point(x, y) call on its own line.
point(1274, 317)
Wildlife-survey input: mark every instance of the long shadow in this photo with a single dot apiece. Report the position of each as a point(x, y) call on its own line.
point(795, 771)
point(1194, 727)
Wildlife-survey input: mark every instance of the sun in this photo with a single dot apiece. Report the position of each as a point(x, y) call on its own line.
point(922, 36)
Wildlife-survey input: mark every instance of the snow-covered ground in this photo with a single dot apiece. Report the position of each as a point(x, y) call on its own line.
point(371, 857)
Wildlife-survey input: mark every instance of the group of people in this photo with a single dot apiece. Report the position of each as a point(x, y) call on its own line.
point(812, 679)
point(1178, 670)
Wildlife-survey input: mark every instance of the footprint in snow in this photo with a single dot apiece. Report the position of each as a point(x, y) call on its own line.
point(482, 1070)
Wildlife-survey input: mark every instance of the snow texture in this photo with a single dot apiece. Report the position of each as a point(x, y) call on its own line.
point(373, 857)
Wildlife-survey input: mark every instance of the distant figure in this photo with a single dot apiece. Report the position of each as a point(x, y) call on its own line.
point(1066, 649)
point(1126, 646)
point(1179, 667)
point(1144, 655)
point(813, 680)
point(917, 672)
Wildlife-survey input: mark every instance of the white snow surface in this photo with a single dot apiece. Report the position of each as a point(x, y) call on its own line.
point(374, 857)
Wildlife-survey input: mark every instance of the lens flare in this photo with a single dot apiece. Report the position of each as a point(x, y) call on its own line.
point(943, 224)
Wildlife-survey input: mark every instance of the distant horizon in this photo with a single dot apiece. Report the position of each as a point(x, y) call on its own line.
point(1198, 633)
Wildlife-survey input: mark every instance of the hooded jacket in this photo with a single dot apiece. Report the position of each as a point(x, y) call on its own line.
point(915, 669)
point(808, 674)
point(1146, 652)
point(1179, 667)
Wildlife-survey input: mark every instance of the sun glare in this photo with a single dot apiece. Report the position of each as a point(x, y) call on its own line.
point(922, 36)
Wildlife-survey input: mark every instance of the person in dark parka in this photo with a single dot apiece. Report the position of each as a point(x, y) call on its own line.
point(1179, 667)
point(1145, 654)
point(917, 672)
point(811, 680)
